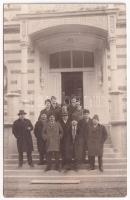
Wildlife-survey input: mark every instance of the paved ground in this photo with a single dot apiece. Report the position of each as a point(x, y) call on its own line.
point(92, 184)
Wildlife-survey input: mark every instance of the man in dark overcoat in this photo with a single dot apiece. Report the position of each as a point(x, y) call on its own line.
point(72, 107)
point(73, 146)
point(41, 145)
point(83, 126)
point(21, 129)
point(55, 108)
point(65, 124)
point(47, 109)
point(96, 138)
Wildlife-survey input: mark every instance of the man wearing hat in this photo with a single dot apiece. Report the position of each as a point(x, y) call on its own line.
point(55, 108)
point(65, 124)
point(96, 138)
point(83, 126)
point(22, 131)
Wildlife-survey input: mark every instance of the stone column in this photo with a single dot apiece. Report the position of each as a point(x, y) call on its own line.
point(24, 65)
point(117, 127)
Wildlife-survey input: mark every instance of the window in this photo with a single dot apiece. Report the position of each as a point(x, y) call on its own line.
point(54, 60)
point(88, 59)
point(79, 59)
point(65, 59)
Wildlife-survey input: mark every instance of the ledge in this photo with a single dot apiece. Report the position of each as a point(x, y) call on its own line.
point(90, 12)
point(116, 123)
point(7, 125)
point(115, 92)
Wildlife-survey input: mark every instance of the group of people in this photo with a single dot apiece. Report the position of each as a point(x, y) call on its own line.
point(64, 134)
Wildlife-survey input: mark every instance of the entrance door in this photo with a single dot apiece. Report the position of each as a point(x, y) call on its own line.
point(72, 84)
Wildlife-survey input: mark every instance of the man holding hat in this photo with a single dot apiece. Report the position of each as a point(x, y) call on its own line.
point(22, 131)
point(96, 138)
point(65, 124)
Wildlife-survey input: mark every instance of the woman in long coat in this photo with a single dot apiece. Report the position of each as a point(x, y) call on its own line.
point(96, 138)
point(22, 131)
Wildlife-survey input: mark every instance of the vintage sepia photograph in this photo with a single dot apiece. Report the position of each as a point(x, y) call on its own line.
point(65, 100)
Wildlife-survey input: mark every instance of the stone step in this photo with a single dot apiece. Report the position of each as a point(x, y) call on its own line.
point(35, 154)
point(71, 175)
point(107, 149)
point(40, 172)
point(105, 160)
point(84, 166)
point(12, 158)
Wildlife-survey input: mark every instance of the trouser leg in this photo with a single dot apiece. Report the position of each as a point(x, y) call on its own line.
point(29, 157)
point(20, 158)
point(100, 163)
point(49, 159)
point(41, 157)
point(89, 159)
point(57, 156)
point(92, 161)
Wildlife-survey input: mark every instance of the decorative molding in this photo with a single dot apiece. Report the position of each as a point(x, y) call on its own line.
point(121, 66)
point(121, 56)
point(31, 71)
point(124, 88)
point(121, 36)
point(11, 29)
point(17, 71)
point(54, 14)
point(12, 51)
point(30, 91)
point(121, 46)
point(30, 60)
point(11, 41)
point(14, 61)
point(30, 81)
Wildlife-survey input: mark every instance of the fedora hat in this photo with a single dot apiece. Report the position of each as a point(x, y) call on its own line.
point(21, 112)
point(96, 117)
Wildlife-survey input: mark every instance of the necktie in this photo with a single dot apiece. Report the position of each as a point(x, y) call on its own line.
point(74, 132)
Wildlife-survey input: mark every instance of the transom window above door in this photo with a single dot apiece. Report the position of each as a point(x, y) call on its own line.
point(71, 59)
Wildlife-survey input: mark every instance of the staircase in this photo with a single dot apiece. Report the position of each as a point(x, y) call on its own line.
point(111, 183)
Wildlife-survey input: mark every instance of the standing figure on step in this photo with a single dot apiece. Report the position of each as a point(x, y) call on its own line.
point(21, 129)
point(47, 109)
point(52, 134)
point(83, 126)
point(72, 107)
point(73, 147)
point(96, 138)
point(41, 145)
point(65, 123)
point(55, 108)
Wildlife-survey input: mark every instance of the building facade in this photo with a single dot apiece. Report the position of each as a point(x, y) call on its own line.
point(64, 49)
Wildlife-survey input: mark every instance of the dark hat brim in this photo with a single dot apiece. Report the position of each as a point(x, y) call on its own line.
point(22, 113)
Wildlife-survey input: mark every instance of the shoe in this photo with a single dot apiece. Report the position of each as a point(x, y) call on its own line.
point(47, 168)
point(31, 165)
point(20, 165)
point(57, 168)
point(92, 168)
point(101, 169)
point(75, 168)
point(41, 163)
